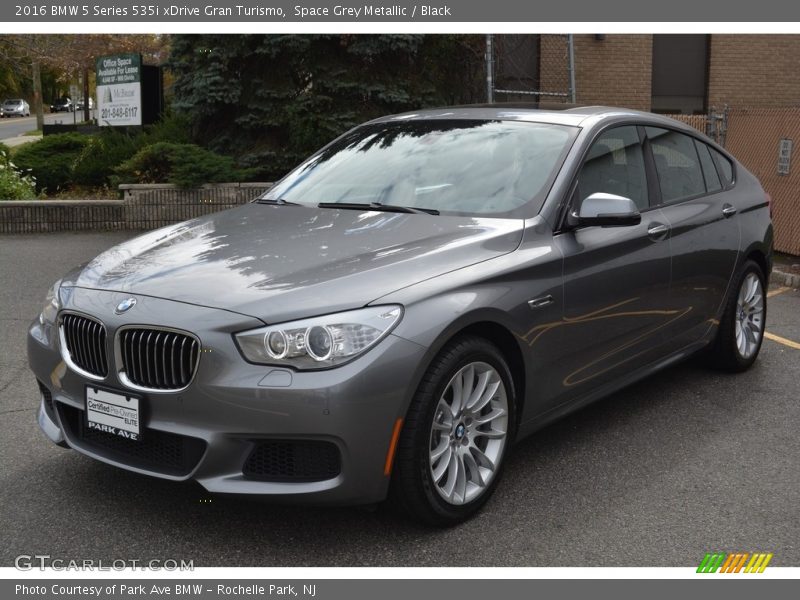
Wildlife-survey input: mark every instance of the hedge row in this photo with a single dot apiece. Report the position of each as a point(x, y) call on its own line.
point(159, 154)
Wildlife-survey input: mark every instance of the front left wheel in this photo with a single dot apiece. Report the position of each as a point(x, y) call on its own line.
point(457, 434)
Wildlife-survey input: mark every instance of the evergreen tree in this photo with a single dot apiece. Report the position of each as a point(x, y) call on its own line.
point(270, 100)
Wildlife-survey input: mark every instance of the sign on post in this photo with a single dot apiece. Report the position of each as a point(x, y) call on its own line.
point(119, 90)
point(784, 156)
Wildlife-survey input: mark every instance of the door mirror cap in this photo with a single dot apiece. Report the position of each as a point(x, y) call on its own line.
point(607, 210)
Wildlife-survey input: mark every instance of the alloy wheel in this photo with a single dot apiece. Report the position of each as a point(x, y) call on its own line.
point(749, 316)
point(469, 433)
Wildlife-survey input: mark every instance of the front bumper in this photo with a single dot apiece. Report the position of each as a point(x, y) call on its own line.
point(233, 407)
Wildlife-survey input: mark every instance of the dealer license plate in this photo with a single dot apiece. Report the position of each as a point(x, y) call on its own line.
point(113, 413)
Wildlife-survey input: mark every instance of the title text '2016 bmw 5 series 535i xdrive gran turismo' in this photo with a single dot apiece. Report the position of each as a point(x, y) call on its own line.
point(392, 315)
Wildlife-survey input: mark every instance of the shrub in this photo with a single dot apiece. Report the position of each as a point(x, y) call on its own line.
point(111, 147)
point(52, 159)
point(14, 183)
point(158, 153)
point(172, 127)
point(185, 165)
point(101, 154)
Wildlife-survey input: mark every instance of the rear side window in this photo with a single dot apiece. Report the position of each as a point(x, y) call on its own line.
point(710, 174)
point(677, 164)
point(725, 166)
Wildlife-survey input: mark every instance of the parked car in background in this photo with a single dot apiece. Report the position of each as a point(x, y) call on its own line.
point(391, 316)
point(63, 104)
point(79, 104)
point(15, 107)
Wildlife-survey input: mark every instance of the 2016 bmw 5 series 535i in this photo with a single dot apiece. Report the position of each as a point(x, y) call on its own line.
point(406, 304)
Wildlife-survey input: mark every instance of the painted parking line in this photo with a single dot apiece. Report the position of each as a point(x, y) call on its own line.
point(777, 291)
point(781, 340)
point(772, 336)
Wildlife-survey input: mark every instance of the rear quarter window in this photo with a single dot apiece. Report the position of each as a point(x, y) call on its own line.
point(713, 183)
point(725, 167)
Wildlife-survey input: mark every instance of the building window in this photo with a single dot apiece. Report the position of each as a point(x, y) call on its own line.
point(680, 74)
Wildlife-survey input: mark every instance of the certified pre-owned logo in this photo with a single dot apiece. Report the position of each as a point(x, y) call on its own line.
point(125, 305)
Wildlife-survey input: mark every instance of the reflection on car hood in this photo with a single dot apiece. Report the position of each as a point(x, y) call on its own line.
point(283, 262)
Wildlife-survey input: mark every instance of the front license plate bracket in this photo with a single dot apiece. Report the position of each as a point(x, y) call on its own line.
point(113, 412)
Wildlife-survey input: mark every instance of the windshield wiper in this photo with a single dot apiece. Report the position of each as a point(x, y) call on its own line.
point(278, 201)
point(379, 206)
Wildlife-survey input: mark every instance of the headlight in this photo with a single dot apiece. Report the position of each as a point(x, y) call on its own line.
point(319, 342)
point(51, 305)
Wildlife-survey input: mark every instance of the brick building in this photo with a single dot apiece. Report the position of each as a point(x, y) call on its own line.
point(663, 73)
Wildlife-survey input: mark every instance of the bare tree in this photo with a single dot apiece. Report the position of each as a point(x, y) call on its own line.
point(73, 54)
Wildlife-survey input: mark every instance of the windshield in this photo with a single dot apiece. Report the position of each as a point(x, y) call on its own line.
point(12, 102)
point(468, 167)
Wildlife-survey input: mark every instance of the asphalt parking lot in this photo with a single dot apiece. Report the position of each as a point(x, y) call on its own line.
point(687, 462)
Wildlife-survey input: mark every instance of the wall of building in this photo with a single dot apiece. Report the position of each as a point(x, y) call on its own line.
point(743, 70)
point(754, 70)
point(615, 71)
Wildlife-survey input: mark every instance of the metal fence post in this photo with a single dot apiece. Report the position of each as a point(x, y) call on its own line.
point(723, 130)
point(571, 50)
point(489, 57)
point(711, 126)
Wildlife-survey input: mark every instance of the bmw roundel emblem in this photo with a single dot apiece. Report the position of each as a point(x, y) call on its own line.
point(125, 305)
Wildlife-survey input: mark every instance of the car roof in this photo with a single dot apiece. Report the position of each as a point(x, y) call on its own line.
point(577, 116)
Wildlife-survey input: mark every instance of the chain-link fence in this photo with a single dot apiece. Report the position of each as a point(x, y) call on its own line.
point(531, 68)
point(763, 139)
point(714, 124)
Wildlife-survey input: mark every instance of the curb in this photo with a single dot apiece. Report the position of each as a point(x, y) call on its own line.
point(783, 278)
point(19, 140)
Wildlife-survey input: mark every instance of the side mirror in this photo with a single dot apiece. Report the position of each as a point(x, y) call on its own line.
point(607, 210)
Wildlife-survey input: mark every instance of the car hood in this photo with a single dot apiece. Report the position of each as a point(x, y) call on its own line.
point(279, 262)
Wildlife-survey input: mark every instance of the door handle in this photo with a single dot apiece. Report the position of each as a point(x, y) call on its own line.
point(657, 231)
point(728, 210)
point(541, 301)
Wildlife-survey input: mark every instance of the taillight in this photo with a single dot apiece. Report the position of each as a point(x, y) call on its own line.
point(769, 203)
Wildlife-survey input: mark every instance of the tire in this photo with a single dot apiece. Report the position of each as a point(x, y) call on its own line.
point(741, 328)
point(475, 446)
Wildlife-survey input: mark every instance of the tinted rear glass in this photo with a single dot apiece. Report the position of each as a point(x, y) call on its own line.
point(713, 183)
point(454, 166)
point(725, 166)
point(677, 164)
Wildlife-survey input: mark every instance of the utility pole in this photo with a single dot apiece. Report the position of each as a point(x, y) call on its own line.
point(86, 111)
point(37, 94)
